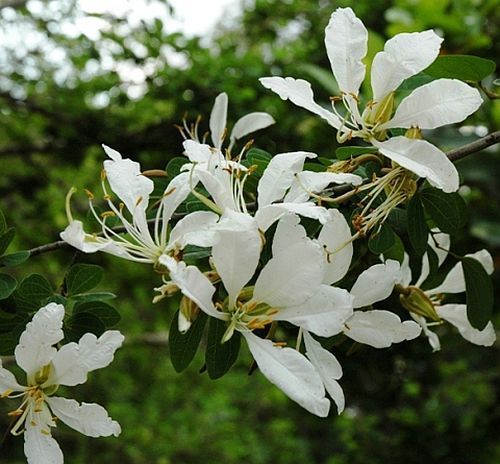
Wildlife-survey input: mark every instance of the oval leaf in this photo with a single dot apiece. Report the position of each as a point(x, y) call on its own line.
point(82, 278)
point(382, 241)
point(105, 312)
point(83, 323)
point(183, 346)
point(447, 210)
point(220, 356)
point(463, 67)
point(6, 238)
point(7, 285)
point(417, 227)
point(479, 293)
point(14, 259)
point(345, 153)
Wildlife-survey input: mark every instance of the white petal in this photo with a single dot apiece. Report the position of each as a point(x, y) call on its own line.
point(199, 153)
point(329, 369)
point(90, 419)
point(431, 336)
point(375, 283)
point(125, 178)
point(251, 123)
point(35, 349)
point(291, 372)
point(307, 182)
point(454, 282)
point(456, 314)
point(193, 284)
point(288, 279)
point(267, 215)
point(236, 252)
point(288, 232)
point(88, 243)
point(422, 158)
point(41, 448)
point(405, 277)
point(176, 192)
point(74, 361)
point(218, 118)
point(8, 381)
point(324, 314)
point(299, 92)
point(380, 329)
point(440, 102)
point(435, 240)
point(218, 185)
point(279, 175)
point(404, 56)
point(335, 237)
point(195, 229)
point(346, 40)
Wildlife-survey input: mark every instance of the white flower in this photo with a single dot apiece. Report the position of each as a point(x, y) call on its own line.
point(289, 288)
point(133, 190)
point(440, 102)
point(47, 368)
point(426, 304)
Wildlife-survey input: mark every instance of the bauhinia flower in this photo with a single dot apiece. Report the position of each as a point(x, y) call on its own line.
point(288, 288)
point(426, 306)
point(440, 102)
point(46, 369)
point(133, 189)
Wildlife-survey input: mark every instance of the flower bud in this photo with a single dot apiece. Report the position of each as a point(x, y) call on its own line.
point(416, 301)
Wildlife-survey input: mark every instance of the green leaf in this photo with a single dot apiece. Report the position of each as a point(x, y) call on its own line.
point(96, 296)
point(382, 241)
point(183, 346)
point(3, 223)
point(417, 227)
point(345, 153)
point(82, 278)
point(322, 76)
point(82, 323)
point(14, 259)
point(32, 291)
point(104, 311)
point(220, 356)
point(6, 238)
point(7, 285)
point(463, 67)
point(174, 166)
point(396, 251)
point(479, 293)
point(447, 210)
point(7, 344)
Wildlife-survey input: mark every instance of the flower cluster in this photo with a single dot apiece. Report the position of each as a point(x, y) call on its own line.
point(279, 264)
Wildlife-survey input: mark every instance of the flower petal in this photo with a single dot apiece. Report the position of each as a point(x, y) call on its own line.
point(279, 175)
point(435, 240)
point(291, 372)
point(74, 361)
point(346, 41)
point(456, 314)
point(35, 349)
point(454, 282)
point(299, 92)
point(8, 381)
point(324, 314)
point(431, 336)
point(218, 118)
point(41, 448)
point(436, 104)
point(335, 236)
point(329, 369)
point(380, 329)
point(251, 123)
point(422, 158)
point(375, 283)
point(176, 192)
point(90, 419)
point(194, 229)
point(404, 56)
point(236, 251)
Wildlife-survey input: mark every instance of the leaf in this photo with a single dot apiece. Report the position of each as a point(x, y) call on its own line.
point(463, 67)
point(345, 153)
point(6, 238)
point(183, 346)
point(31, 292)
point(82, 323)
point(174, 166)
point(220, 356)
point(382, 241)
point(82, 278)
point(396, 251)
point(479, 293)
point(104, 311)
point(258, 158)
point(417, 227)
point(322, 76)
point(96, 296)
point(3, 223)
point(7, 344)
point(14, 259)
point(7, 285)
point(447, 210)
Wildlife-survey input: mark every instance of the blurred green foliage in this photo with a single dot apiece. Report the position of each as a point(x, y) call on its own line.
point(65, 93)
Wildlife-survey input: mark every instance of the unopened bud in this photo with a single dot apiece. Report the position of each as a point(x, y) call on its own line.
point(416, 301)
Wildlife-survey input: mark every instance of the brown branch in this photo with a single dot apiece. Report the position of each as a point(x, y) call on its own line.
point(474, 147)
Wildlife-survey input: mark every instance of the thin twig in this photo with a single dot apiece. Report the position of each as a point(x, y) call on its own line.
point(474, 147)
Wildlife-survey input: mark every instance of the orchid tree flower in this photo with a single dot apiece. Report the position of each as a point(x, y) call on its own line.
point(288, 288)
point(438, 103)
point(47, 368)
point(133, 189)
point(426, 307)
